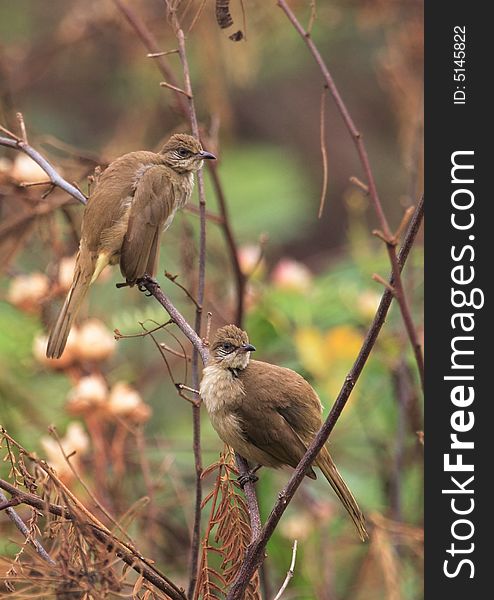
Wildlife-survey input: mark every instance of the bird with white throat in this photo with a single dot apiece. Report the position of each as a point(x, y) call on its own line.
point(266, 413)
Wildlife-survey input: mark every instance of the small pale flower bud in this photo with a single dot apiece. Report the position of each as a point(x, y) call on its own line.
point(27, 291)
point(76, 439)
point(249, 258)
point(66, 272)
point(95, 342)
point(68, 357)
point(90, 392)
point(25, 170)
point(291, 274)
point(125, 401)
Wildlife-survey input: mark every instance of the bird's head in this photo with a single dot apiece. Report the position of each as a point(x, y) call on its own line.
point(231, 348)
point(184, 154)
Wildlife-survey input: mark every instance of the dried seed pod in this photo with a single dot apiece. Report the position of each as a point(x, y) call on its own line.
point(223, 16)
point(237, 36)
point(225, 19)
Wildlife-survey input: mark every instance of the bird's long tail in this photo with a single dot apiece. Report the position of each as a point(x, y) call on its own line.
point(61, 329)
point(327, 466)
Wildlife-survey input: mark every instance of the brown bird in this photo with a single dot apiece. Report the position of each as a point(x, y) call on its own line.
point(133, 201)
point(266, 413)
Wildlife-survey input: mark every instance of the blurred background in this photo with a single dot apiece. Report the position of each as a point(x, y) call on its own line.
point(88, 93)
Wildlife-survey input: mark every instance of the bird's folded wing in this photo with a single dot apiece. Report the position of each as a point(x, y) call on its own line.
point(285, 406)
point(267, 429)
point(287, 392)
point(152, 204)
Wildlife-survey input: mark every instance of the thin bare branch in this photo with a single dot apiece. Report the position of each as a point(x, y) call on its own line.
point(360, 184)
point(19, 523)
point(382, 281)
point(120, 336)
point(173, 279)
point(22, 127)
point(26, 184)
point(251, 498)
point(152, 47)
point(289, 575)
point(196, 16)
point(312, 17)
point(240, 279)
point(196, 409)
point(217, 219)
point(128, 555)
point(324, 153)
point(155, 290)
point(387, 236)
point(175, 89)
point(404, 222)
point(18, 144)
point(164, 53)
point(187, 388)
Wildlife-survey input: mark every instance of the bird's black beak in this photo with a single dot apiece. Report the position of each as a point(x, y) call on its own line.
point(208, 155)
point(247, 348)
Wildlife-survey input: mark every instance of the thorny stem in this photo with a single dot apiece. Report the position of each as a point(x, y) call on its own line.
point(255, 552)
point(373, 194)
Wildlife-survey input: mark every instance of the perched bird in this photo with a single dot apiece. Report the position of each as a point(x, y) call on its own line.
point(132, 202)
point(266, 413)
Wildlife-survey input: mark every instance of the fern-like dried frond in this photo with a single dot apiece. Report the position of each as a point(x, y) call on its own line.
point(228, 533)
point(67, 552)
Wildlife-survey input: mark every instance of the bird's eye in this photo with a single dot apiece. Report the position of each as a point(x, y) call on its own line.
point(183, 152)
point(227, 347)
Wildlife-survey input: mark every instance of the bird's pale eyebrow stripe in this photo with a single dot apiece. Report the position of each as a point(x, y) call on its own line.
point(224, 352)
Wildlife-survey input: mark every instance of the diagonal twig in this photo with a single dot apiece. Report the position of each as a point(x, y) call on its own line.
point(18, 144)
point(289, 575)
point(389, 238)
point(125, 553)
point(21, 526)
